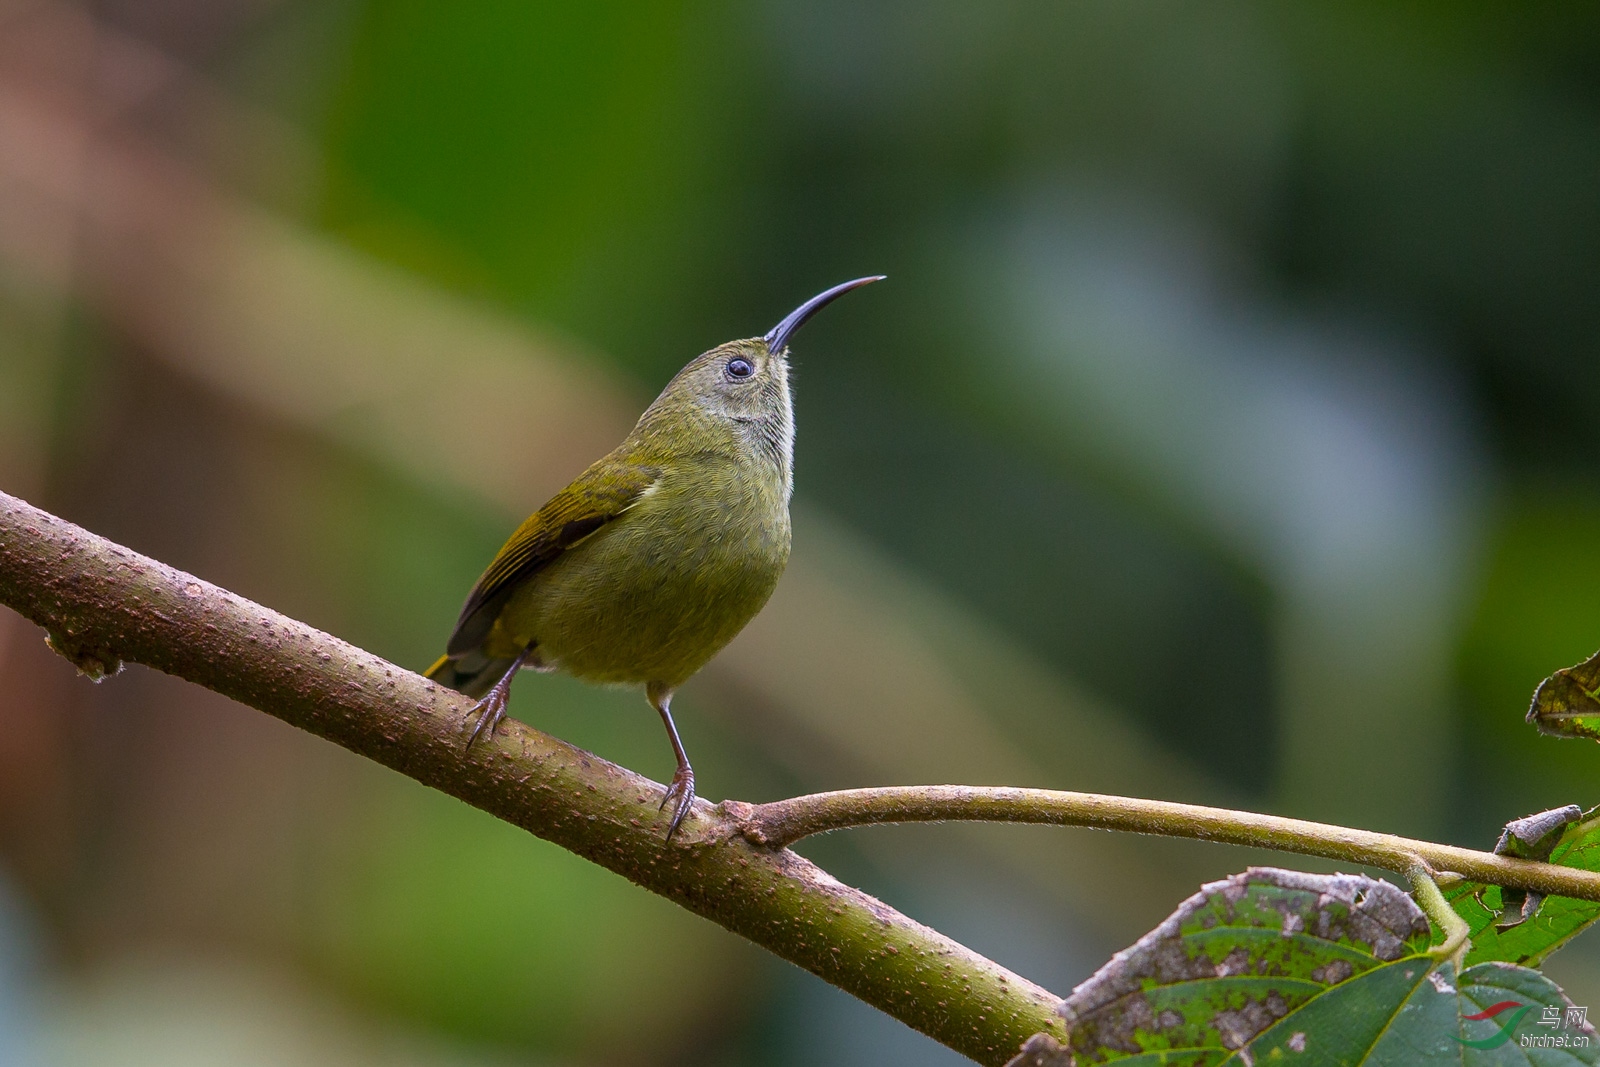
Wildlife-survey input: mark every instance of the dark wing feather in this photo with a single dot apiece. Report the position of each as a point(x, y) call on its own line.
point(599, 495)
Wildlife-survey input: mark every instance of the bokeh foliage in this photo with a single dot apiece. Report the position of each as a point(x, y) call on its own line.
point(653, 178)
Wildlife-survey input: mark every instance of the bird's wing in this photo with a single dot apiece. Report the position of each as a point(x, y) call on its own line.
point(599, 494)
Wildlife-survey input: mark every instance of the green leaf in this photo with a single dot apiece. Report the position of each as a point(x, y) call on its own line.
point(1235, 958)
point(1277, 967)
point(1505, 928)
point(1567, 704)
point(1489, 985)
point(1403, 1015)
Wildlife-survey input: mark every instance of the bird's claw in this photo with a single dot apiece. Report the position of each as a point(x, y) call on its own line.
point(681, 791)
point(491, 709)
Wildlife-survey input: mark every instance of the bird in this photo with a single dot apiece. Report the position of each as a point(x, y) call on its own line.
point(657, 555)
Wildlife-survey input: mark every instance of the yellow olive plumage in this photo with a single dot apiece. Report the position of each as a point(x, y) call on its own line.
point(654, 558)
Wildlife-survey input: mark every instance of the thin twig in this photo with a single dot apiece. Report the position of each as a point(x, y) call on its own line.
point(784, 822)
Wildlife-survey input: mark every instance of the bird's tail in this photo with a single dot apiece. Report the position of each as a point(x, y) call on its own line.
point(471, 673)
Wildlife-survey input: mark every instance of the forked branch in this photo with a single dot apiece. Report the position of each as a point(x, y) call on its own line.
point(102, 604)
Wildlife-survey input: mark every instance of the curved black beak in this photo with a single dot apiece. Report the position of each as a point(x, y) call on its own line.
point(779, 335)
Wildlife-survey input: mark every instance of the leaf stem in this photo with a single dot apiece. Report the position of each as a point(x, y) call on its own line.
point(1455, 929)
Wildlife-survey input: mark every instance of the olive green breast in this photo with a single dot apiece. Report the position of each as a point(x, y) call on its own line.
point(658, 591)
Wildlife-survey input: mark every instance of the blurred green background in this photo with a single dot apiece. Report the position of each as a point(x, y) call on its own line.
point(1223, 433)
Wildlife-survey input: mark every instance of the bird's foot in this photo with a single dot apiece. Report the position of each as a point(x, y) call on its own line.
point(681, 794)
point(491, 709)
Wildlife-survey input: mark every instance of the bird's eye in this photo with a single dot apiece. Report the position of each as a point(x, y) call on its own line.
point(739, 368)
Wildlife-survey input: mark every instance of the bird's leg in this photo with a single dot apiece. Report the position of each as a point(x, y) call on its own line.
point(492, 708)
point(681, 790)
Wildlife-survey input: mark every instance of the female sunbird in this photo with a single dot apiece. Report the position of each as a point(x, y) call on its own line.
point(656, 556)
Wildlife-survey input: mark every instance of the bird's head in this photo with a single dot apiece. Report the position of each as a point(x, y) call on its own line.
point(748, 380)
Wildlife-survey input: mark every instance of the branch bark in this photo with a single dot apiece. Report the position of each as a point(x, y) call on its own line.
point(101, 604)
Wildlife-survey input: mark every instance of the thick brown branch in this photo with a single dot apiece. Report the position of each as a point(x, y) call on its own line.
point(784, 822)
point(101, 603)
